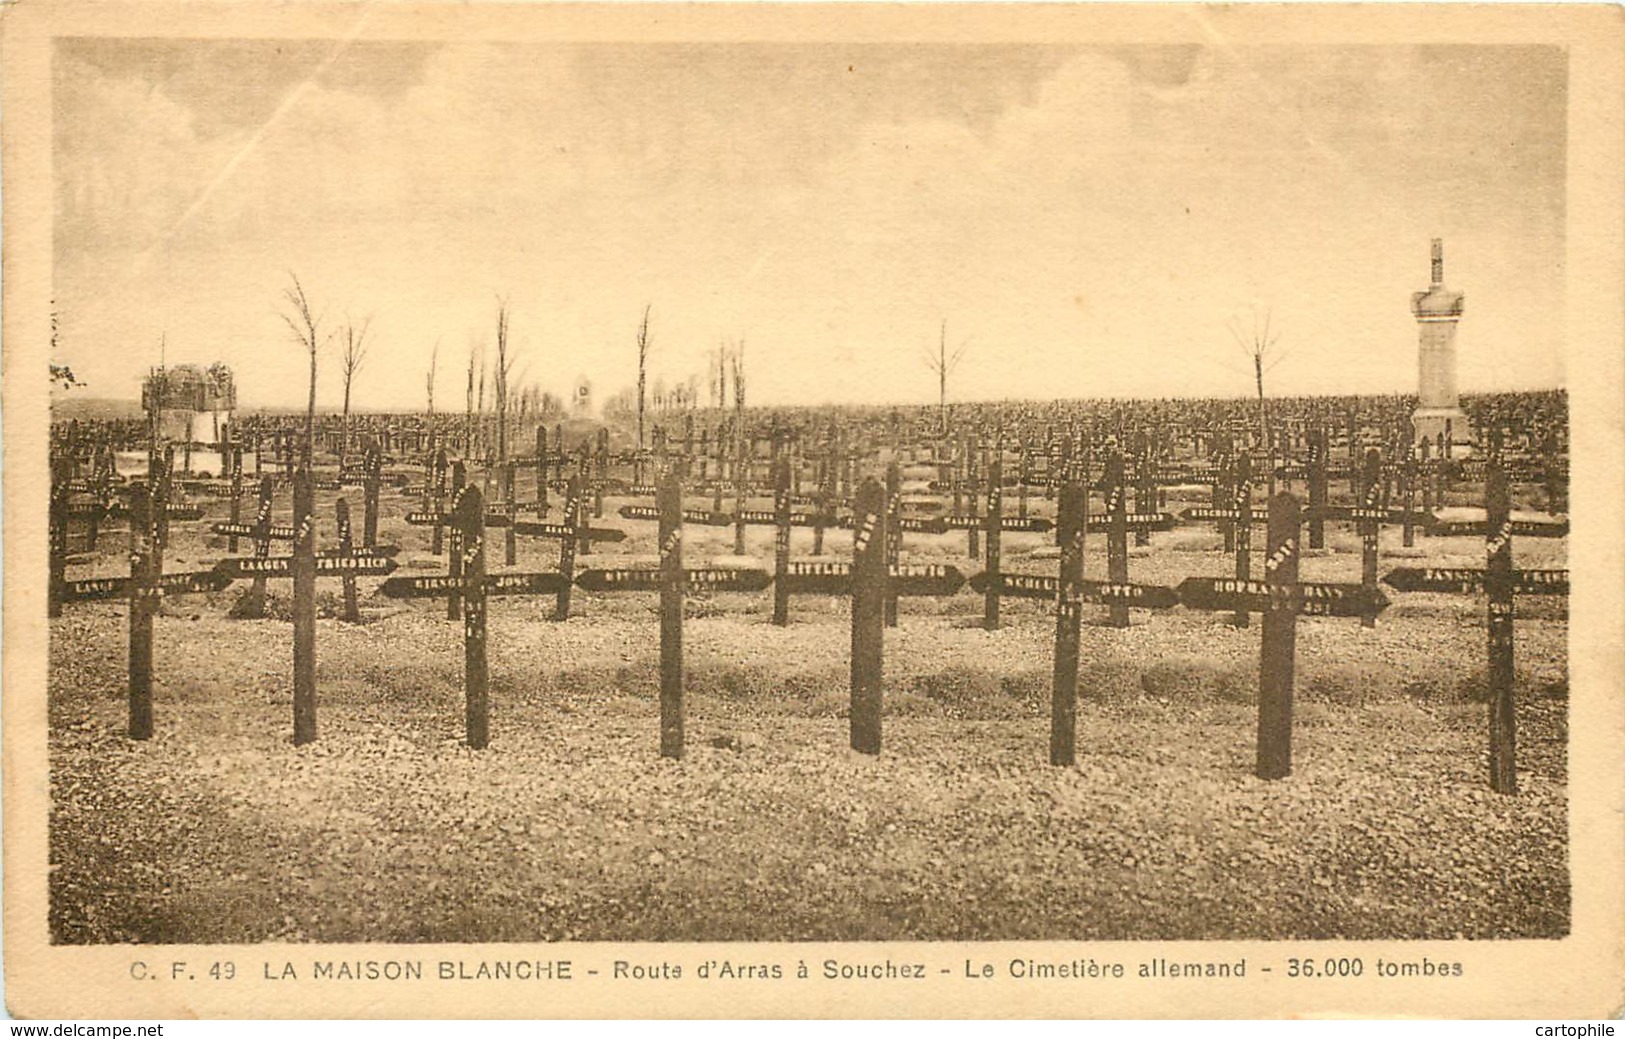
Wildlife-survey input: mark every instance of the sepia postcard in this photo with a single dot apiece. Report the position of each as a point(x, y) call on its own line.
point(801, 510)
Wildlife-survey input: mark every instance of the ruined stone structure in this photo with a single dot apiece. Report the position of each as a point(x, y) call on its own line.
point(192, 405)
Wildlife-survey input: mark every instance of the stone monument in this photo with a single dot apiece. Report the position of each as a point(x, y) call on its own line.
point(1438, 409)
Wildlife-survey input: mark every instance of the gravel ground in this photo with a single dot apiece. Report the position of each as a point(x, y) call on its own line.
point(569, 826)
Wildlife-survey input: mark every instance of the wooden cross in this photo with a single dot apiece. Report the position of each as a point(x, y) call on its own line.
point(1280, 597)
point(894, 535)
point(304, 608)
point(1502, 583)
point(869, 596)
point(994, 522)
point(468, 522)
point(1071, 528)
point(673, 584)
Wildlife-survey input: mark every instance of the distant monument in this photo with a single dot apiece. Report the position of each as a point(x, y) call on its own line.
point(1437, 310)
point(189, 404)
point(581, 400)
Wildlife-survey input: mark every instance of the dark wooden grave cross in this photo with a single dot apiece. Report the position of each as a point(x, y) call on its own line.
point(567, 546)
point(741, 475)
point(1222, 490)
point(600, 472)
point(781, 542)
point(100, 486)
point(541, 471)
point(717, 465)
point(673, 585)
point(235, 515)
point(950, 473)
point(303, 567)
point(1537, 527)
point(341, 519)
point(894, 534)
point(145, 566)
point(1071, 526)
point(1502, 584)
point(1408, 489)
point(262, 532)
point(869, 595)
point(1243, 508)
point(1318, 490)
point(1057, 460)
point(434, 490)
point(510, 545)
point(373, 467)
point(1145, 485)
point(1272, 444)
point(1024, 476)
point(973, 495)
point(672, 580)
point(342, 563)
point(454, 552)
point(468, 543)
point(826, 496)
point(163, 495)
point(1353, 448)
point(1117, 535)
point(1280, 597)
point(1429, 476)
point(58, 534)
point(1554, 472)
point(1370, 526)
point(994, 518)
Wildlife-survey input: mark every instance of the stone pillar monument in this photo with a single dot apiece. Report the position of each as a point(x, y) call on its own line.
point(581, 402)
point(1437, 310)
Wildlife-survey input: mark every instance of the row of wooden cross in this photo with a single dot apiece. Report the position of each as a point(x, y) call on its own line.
point(876, 528)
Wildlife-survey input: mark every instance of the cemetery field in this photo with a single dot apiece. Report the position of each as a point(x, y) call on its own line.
point(569, 825)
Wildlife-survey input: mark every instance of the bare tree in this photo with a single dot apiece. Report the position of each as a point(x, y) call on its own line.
point(481, 422)
point(354, 345)
point(468, 412)
point(527, 404)
point(1260, 341)
point(643, 366)
point(942, 364)
point(737, 363)
point(306, 326)
point(504, 365)
point(719, 379)
point(434, 367)
point(517, 392)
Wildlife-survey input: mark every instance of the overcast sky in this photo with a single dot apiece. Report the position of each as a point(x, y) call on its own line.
point(1091, 219)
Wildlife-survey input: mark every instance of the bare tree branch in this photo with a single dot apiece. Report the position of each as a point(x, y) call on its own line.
point(504, 365)
point(434, 367)
point(306, 328)
point(942, 364)
point(643, 365)
point(354, 346)
point(1260, 343)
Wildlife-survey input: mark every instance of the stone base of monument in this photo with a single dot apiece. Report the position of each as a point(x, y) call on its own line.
point(1430, 423)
